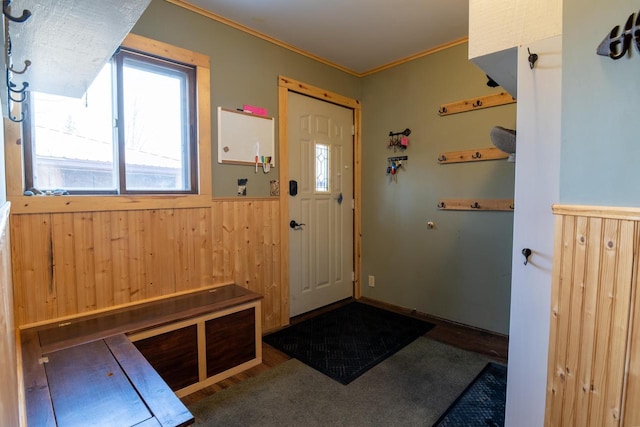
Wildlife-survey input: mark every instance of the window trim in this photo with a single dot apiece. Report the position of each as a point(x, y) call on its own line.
point(14, 151)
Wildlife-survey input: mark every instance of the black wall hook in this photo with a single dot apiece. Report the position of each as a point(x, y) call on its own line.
point(533, 57)
point(527, 253)
point(6, 4)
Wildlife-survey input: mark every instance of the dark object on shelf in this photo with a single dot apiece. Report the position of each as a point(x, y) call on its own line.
point(503, 139)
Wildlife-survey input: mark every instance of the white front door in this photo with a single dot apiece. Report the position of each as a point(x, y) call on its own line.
point(321, 166)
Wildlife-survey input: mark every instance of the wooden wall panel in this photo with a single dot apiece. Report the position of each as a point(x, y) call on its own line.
point(9, 404)
point(70, 263)
point(246, 239)
point(32, 259)
point(591, 297)
point(76, 262)
point(631, 413)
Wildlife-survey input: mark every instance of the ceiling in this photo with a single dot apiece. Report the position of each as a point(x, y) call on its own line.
point(359, 36)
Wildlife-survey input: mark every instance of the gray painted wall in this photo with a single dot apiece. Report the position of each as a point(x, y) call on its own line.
point(461, 270)
point(244, 70)
point(600, 105)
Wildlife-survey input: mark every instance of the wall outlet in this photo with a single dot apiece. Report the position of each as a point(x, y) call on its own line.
point(372, 281)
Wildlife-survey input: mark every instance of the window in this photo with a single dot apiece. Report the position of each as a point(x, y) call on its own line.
point(322, 168)
point(132, 133)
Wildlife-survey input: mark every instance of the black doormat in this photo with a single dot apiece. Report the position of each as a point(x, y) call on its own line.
point(482, 403)
point(346, 342)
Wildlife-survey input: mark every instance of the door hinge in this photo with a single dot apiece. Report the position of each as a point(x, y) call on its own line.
point(353, 203)
point(353, 276)
point(353, 130)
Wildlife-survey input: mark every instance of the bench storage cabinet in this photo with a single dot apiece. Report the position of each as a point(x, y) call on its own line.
point(201, 351)
point(131, 362)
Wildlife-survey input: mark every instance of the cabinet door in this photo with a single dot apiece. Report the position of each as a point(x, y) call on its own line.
point(174, 355)
point(230, 341)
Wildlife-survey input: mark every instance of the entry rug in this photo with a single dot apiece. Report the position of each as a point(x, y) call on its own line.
point(482, 403)
point(346, 342)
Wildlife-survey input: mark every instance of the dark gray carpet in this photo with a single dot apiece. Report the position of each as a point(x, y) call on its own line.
point(348, 341)
point(411, 388)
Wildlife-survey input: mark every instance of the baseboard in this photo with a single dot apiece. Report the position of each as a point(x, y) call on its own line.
point(480, 340)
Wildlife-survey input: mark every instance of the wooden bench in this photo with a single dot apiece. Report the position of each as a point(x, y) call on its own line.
point(127, 366)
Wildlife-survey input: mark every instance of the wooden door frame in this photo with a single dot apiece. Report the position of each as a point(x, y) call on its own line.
point(285, 85)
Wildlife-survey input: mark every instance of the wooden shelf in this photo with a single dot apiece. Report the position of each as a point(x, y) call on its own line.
point(478, 103)
point(476, 204)
point(471, 155)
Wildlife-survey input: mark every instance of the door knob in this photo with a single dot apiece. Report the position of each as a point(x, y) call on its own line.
point(527, 253)
point(294, 225)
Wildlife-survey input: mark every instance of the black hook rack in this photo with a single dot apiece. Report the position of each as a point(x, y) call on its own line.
point(399, 139)
point(12, 88)
point(405, 132)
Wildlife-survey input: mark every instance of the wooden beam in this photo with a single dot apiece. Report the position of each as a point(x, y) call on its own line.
point(473, 155)
point(476, 204)
point(477, 103)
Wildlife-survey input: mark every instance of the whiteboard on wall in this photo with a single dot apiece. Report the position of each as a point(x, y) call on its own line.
point(242, 136)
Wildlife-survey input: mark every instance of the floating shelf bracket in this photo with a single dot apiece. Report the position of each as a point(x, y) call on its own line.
point(478, 103)
point(476, 204)
point(480, 154)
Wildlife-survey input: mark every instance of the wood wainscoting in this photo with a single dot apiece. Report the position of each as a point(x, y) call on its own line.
point(9, 368)
point(69, 263)
point(594, 361)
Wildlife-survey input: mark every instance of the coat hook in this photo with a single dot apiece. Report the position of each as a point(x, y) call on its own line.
point(27, 64)
point(442, 110)
point(478, 103)
point(441, 205)
point(475, 206)
point(533, 57)
point(11, 86)
point(6, 4)
point(512, 207)
point(442, 158)
point(476, 155)
point(23, 96)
